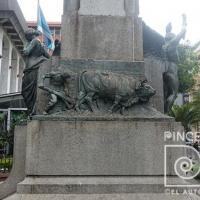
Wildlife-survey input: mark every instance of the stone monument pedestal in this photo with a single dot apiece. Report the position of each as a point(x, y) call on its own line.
point(100, 156)
point(97, 157)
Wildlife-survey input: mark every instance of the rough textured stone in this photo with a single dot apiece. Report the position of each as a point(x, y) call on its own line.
point(18, 170)
point(102, 197)
point(135, 69)
point(97, 147)
point(71, 6)
point(103, 7)
point(109, 38)
point(138, 39)
point(154, 69)
point(93, 185)
point(112, 36)
point(132, 7)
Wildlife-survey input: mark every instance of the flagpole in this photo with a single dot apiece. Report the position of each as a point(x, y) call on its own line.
point(38, 3)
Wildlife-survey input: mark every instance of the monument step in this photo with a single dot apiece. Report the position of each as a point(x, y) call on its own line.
point(91, 185)
point(101, 197)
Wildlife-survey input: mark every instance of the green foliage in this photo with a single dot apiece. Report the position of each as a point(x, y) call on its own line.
point(188, 67)
point(2, 117)
point(18, 117)
point(3, 140)
point(188, 114)
point(195, 169)
point(6, 163)
point(6, 137)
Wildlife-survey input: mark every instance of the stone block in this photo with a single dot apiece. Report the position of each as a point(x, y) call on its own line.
point(138, 39)
point(135, 69)
point(97, 146)
point(154, 69)
point(102, 7)
point(108, 38)
point(71, 6)
point(91, 185)
point(95, 185)
point(102, 197)
point(132, 7)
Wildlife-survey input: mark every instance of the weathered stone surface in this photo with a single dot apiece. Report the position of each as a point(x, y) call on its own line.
point(97, 146)
point(154, 69)
point(135, 69)
point(131, 7)
point(138, 39)
point(103, 7)
point(18, 170)
point(71, 6)
point(93, 185)
point(102, 197)
point(115, 30)
point(109, 38)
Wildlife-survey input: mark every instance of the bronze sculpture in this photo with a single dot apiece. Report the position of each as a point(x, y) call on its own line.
point(117, 91)
point(170, 76)
point(58, 92)
point(123, 91)
point(35, 54)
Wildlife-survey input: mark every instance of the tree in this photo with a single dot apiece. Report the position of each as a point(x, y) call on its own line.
point(7, 137)
point(188, 67)
point(189, 113)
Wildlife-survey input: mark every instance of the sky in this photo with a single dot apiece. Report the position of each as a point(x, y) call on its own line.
point(155, 13)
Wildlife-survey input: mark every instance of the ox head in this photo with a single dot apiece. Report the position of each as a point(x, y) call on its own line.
point(144, 91)
point(57, 76)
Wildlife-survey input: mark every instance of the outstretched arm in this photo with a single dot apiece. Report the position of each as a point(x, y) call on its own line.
point(184, 18)
point(175, 41)
point(184, 26)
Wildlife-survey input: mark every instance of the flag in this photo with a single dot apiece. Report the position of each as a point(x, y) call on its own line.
point(43, 27)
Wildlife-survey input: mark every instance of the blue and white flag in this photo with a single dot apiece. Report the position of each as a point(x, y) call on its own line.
point(43, 27)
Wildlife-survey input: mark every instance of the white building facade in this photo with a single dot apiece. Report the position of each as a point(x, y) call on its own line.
point(12, 64)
